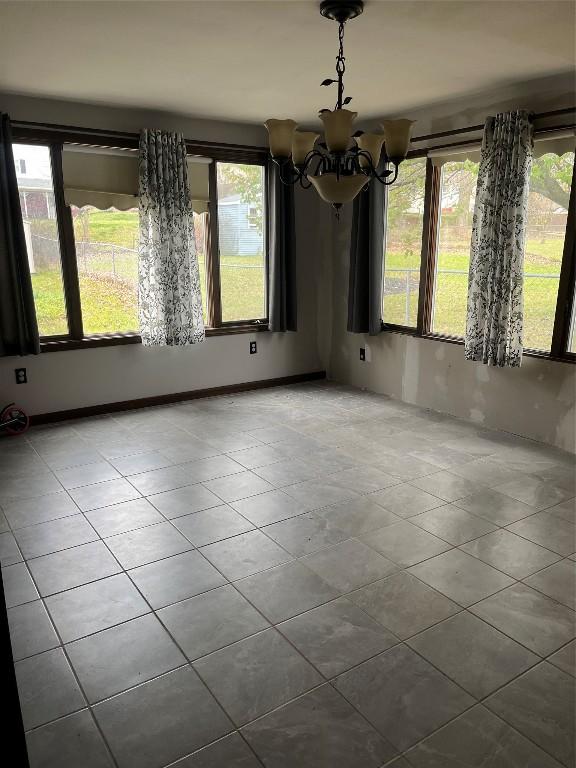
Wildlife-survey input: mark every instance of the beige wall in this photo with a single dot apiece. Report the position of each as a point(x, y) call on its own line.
point(73, 379)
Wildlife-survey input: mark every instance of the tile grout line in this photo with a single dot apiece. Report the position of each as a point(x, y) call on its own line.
point(63, 648)
point(400, 482)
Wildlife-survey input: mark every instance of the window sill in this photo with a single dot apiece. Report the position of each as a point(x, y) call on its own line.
point(91, 342)
point(227, 330)
point(405, 331)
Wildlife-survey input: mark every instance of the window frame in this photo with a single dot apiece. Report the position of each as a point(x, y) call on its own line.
point(213, 272)
point(566, 300)
point(398, 327)
point(55, 137)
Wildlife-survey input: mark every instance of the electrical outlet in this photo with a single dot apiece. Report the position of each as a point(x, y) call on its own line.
point(253, 348)
point(20, 374)
point(362, 353)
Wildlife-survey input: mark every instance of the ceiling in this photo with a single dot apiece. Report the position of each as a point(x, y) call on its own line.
point(249, 60)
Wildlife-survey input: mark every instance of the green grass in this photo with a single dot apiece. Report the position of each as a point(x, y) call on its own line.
point(49, 302)
point(451, 292)
point(111, 306)
point(118, 227)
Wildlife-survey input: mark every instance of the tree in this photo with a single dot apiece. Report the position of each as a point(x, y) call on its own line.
point(552, 176)
point(407, 192)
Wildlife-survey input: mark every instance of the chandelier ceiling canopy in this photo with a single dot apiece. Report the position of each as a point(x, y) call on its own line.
point(343, 163)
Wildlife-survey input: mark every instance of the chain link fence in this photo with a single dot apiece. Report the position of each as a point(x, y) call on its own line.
point(401, 289)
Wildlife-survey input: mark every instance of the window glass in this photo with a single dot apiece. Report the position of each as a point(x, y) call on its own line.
point(550, 182)
point(547, 213)
point(36, 191)
point(201, 226)
point(403, 242)
point(241, 238)
point(107, 257)
point(457, 196)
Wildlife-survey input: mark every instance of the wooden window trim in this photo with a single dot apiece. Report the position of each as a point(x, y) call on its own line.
point(566, 287)
point(213, 285)
point(54, 137)
point(61, 343)
point(569, 357)
point(429, 247)
point(68, 260)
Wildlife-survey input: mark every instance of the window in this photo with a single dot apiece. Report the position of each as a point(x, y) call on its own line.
point(428, 233)
point(547, 214)
point(80, 211)
point(403, 244)
point(547, 219)
point(41, 231)
point(457, 195)
point(107, 258)
point(240, 190)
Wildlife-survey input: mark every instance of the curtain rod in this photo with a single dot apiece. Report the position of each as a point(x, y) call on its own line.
point(456, 144)
point(474, 128)
point(125, 136)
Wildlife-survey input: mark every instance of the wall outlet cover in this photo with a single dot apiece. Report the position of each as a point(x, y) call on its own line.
point(253, 348)
point(20, 374)
point(362, 353)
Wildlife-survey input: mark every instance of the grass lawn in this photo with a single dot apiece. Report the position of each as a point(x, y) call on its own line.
point(540, 294)
point(118, 227)
point(111, 306)
point(242, 282)
point(49, 302)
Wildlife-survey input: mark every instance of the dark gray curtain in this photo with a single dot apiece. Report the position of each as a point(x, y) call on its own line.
point(281, 252)
point(367, 260)
point(18, 326)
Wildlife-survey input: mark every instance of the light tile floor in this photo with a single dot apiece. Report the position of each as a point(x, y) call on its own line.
point(303, 577)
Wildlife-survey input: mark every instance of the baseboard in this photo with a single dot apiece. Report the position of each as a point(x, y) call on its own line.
point(175, 397)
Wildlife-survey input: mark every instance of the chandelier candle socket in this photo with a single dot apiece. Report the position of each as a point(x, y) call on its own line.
point(343, 164)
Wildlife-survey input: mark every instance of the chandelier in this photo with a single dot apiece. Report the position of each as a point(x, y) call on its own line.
point(341, 165)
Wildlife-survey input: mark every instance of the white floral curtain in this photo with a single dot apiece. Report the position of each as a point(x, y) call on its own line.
point(495, 285)
point(169, 297)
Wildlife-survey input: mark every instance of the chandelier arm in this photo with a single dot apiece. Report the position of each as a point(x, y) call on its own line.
point(309, 159)
point(386, 181)
point(372, 172)
point(294, 176)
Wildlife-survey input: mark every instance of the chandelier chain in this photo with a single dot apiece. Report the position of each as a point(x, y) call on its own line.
point(340, 65)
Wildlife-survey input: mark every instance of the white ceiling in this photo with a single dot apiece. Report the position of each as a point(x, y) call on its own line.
point(249, 60)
